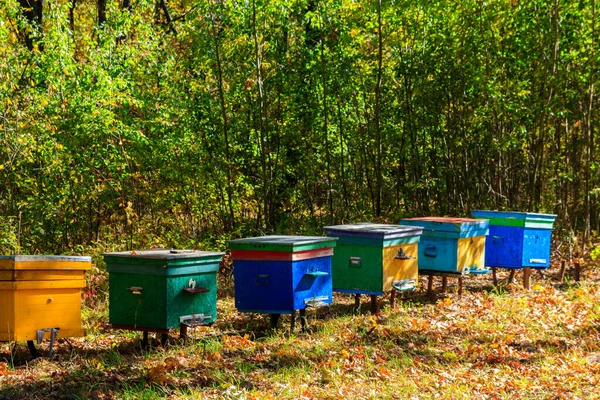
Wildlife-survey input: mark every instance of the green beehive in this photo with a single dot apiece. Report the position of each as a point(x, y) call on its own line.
point(157, 290)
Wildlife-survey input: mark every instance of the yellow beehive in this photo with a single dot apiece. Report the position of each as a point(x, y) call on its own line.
point(39, 292)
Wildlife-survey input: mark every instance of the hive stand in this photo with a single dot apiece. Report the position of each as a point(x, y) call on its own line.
point(517, 240)
point(281, 274)
point(444, 275)
point(40, 298)
point(373, 259)
point(158, 290)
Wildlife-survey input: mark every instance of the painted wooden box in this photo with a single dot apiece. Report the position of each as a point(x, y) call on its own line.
point(374, 258)
point(39, 294)
point(281, 274)
point(451, 245)
point(162, 289)
point(517, 239)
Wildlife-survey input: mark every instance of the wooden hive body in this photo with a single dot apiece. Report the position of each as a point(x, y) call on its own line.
point(39, 292)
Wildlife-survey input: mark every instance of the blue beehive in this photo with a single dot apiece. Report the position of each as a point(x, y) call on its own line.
point(451, 245)
point(281, 274)
point(517, 239)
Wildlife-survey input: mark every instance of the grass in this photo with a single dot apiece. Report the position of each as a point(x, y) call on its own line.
point(496, 343)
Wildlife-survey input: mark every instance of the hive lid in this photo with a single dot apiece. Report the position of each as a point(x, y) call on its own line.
point(466, 226)
point(516, 218)
point(30, 258)
point(282, 243)
point(40, 262)
point(164, 254)
point(371, 230)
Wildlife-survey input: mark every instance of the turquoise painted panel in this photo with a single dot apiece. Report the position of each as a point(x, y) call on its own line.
point(536, 248)
point(438, 254)
point(449, 227)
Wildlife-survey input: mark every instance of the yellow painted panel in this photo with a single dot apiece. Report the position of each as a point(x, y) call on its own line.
point(396, 269)
point(50, 275)
point(57, 284)
point(65, 265)
point(471, 252)
point(7, 311)
point(6, 275)
point(53, 308)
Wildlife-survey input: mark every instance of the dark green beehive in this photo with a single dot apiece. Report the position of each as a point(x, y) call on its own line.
point(161, 289)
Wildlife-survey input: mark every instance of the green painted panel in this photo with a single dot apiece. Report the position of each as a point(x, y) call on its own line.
point(282, 243)
point(357, 268)
point(160, 269)
point(181, 303)
point(507, 222)
point(147, 309)
point(150, 262)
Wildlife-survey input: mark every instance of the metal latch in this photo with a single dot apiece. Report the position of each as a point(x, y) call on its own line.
point(318, 273)
point(403, 256)
point(195, 320)
point(475, 271)
point(355, 262)
point(136, 289)
point(537, 260)
point(404, 284)
point(316, 302)
point(39, 336)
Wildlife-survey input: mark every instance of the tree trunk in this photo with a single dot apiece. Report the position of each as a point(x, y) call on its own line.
point(378, 141)
point(33, 12)
point(224, 123)
point(101, 4)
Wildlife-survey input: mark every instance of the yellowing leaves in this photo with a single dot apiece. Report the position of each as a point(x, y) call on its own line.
point(237, 342)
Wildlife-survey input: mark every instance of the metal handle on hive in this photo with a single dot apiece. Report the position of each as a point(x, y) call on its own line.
point(355, 262)
point(136, 289)
point(498, 240)
point(430, 251)
point(262, 279)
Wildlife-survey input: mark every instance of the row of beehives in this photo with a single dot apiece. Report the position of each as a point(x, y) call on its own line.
point(156, 290)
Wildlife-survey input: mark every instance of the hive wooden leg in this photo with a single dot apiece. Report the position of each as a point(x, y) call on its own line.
point(494, 276)
point(374, 308)
point(356, 302)
point(164, 339)
point(274, 320)
point(444, 284)
point(460, 286)
point(183, 332)
point(293, 321)
point(303, 319)
point(32, 349)
point(145, 339)
point(430, 286)
point(526, 276)
point(511, 277)
point(393, 299)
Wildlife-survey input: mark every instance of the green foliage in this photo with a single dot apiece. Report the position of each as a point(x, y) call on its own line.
point(262, 117)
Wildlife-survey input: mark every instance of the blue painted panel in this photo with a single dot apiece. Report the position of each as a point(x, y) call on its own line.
point(312, 279)
point(280, 286)
point(536, 248)
point(504, 247)
point(438, 254)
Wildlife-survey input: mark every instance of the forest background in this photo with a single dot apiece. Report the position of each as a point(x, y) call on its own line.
point(140, 123)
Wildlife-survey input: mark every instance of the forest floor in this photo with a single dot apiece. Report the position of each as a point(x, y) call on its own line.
point(492, 343)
